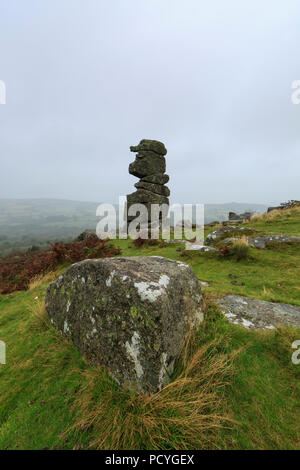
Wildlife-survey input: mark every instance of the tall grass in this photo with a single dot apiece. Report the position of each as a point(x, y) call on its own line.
point(276, 214)
point(186, 414)
point(240, 248)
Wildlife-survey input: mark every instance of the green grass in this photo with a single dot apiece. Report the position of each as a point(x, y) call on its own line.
point(248, 390)
point(265, 389)
point(45, 379)
point(271, 274)
point(285, 222)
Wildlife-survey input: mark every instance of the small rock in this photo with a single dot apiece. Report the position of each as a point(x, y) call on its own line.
point(204, 284)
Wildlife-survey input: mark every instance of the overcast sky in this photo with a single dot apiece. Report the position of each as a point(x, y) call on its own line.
point(211, 79)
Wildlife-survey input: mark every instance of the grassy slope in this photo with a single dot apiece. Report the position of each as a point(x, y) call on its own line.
point(45, 375)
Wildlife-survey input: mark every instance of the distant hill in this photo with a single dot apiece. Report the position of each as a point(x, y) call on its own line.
point(220, 211)
point(34, 222)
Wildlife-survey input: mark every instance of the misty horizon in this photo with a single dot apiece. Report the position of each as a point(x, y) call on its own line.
point(213, 82)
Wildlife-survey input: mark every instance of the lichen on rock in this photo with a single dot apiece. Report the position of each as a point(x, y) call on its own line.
point(131, 314)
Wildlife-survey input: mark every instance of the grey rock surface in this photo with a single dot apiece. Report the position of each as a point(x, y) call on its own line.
point(147, 164)
point(86, 234)
point(259, 314)
point(201, 248)
point(130, 314)
point(207, 249)
point(240, 217)
point(263, 241)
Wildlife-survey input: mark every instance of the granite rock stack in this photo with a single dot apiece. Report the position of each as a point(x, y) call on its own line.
point(150, 167)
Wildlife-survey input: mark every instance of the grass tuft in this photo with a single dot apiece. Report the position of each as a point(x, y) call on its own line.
point(187, 413)
point(42, 279)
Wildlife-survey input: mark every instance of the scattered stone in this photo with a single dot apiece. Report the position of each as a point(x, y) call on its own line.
point(230, 240)
point(219, 234)
point(150, 146)
point(86, 234)
point(201, 248)
point(262, 242)
point(156, 179)
point(207, 249)
point(154, 188)
point(204, 284)
point(232, 222)
point(233, 217)
point(129, 314)
point(259, 314)
point(193, 246)
point(212, 224)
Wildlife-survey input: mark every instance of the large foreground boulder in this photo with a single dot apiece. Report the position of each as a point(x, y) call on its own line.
point(259, 314)
point(129, 314)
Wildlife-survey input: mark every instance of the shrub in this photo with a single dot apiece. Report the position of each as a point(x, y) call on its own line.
point(139, 242)
point(241, 249)
point(18, 270)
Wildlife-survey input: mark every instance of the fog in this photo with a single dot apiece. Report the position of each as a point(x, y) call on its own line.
point(212, 80)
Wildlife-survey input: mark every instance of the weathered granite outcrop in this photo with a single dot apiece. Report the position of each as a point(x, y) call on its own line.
point(86, 234)
point(129, 314)
point(284, 205)
point(225, 232)
point(150, 167)
point(264, 241)
point(233, 217)
point(259, 314)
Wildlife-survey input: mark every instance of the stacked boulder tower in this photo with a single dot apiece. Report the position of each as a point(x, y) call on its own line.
point(150, 167)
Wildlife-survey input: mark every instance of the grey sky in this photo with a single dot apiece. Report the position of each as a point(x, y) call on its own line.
point(86, 79)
